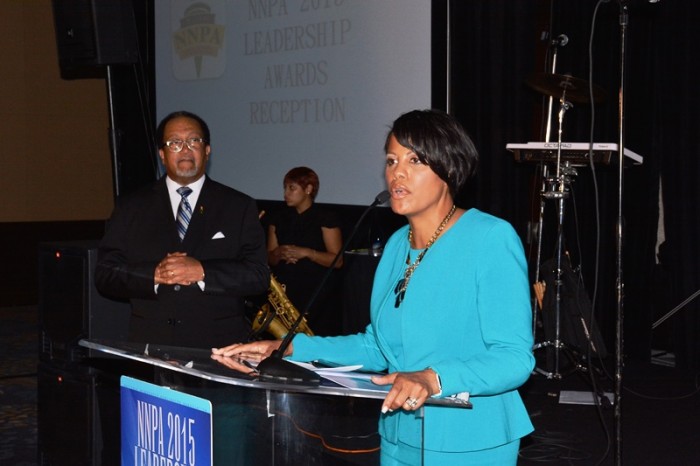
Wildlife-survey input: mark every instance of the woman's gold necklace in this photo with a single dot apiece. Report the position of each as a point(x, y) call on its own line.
point(401, 286)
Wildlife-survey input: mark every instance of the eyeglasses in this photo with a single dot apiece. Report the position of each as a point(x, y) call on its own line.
point(176, 145)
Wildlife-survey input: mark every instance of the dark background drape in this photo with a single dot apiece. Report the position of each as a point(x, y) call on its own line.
point(497, 45)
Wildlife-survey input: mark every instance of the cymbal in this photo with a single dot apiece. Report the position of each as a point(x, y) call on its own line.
point(565, 86)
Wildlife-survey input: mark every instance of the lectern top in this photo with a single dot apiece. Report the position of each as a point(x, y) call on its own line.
point(197, 362)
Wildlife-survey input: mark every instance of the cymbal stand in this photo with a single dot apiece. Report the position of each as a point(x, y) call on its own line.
point(545, 175)
point(558, 189)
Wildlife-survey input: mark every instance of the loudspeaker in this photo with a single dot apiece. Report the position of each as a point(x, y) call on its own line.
point(94, 32)
point(67, 417)
point(70, 307)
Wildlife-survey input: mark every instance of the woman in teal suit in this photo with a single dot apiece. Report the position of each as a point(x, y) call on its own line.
point(450, 312)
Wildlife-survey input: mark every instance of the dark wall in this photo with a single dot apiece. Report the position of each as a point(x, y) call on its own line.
point(131, 94)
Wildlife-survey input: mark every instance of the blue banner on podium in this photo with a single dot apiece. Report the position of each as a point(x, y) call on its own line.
point(164, 427)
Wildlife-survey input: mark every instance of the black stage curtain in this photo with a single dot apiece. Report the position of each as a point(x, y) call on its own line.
point(496, 45)
point(672, 104)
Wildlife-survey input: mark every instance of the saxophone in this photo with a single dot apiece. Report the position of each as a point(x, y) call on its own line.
point(278, 321)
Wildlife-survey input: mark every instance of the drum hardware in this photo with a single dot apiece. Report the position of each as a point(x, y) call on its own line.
point(566, 87)
point(557, 188)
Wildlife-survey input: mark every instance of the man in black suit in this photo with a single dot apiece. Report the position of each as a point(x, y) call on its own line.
point(189, 291)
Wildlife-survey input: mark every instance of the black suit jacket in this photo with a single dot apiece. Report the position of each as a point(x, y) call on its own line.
point(224, 234)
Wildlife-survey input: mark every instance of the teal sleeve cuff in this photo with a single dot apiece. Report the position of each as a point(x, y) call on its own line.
point(439, 383)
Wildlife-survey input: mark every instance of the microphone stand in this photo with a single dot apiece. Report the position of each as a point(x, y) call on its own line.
point(275, 367)
point(619, 284)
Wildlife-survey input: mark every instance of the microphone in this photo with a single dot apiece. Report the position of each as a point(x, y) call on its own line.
point(275, 367)
point(560, 41)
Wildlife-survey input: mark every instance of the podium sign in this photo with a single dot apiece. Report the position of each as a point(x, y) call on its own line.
point(164, 427)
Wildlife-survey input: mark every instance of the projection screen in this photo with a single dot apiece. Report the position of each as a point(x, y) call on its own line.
point(297, 82)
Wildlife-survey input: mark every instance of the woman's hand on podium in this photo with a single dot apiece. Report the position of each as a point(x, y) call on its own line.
point(409, 390)
point(255, 351)
point(240, 365)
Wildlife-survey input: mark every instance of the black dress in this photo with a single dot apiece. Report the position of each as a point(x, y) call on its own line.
point(302, 279)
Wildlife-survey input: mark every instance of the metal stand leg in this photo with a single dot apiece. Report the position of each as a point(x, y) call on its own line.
point(538, 257)
point(556, 345)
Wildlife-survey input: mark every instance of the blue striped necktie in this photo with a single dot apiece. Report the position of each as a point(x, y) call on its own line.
point(184, 212)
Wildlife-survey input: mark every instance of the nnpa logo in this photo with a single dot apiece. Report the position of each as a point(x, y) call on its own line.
point(199, 50)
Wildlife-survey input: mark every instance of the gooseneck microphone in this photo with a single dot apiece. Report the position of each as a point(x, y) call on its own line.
point(275, 367)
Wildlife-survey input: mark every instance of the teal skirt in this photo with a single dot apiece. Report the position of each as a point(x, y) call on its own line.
point(404, 455)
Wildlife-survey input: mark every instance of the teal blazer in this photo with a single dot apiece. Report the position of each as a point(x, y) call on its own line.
point(466, 315)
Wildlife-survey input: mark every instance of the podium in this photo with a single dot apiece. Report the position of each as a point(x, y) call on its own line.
point(267, 423)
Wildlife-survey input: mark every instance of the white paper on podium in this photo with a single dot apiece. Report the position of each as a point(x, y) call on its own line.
point(362, 381)
point(348, 377)
point(355, 380)
point(330, 370)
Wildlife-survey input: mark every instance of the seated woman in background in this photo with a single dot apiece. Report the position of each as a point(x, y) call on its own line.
point(302, 242)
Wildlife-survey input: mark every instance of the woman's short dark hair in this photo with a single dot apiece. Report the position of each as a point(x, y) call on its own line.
point(181, 114)
point(303, 176)
point(440, 142)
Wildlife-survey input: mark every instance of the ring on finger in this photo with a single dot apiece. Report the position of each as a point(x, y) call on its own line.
point(411, 402)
